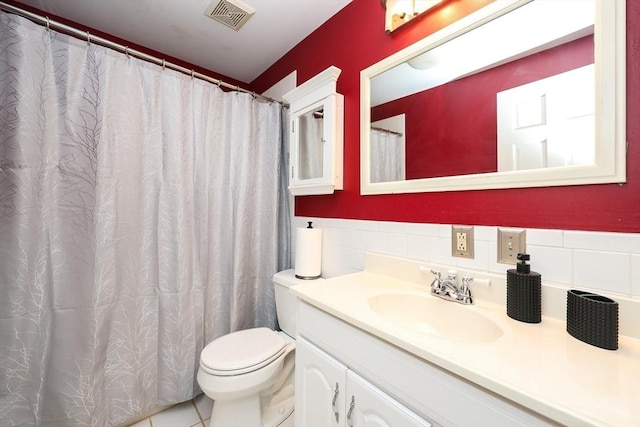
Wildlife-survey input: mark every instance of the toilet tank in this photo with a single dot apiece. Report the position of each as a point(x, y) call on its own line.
point(286, 302)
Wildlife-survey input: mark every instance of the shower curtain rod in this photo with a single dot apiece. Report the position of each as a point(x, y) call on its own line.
point(392, 132)
point(86, 35)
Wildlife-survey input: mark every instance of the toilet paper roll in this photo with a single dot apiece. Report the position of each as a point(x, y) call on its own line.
point(308, 253)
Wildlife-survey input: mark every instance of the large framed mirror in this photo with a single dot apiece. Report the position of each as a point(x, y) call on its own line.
point(521, 93)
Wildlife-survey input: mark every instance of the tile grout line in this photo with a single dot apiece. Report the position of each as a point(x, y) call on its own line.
point(193, 402)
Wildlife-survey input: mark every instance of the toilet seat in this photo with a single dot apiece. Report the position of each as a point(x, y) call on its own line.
point(242, 352)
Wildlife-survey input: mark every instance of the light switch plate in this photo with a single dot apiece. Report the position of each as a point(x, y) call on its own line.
point(510, 244)
point(462, 241)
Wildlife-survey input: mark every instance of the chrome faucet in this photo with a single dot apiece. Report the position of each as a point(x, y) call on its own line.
point(448, 289)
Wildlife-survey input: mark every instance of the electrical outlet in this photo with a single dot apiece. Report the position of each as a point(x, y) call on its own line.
point(462, 242)
point(510, 244)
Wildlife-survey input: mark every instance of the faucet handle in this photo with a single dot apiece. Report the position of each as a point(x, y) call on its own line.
point(464, 289)
point(465, 292)
point(436, 272)
point(436, 284)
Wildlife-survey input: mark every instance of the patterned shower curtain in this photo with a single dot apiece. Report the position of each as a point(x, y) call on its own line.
point(387, 157)
point(140, 217)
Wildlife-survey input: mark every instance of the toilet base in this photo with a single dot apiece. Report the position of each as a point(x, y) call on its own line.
point(237, 413)
point(253, 411)
point(278, 410)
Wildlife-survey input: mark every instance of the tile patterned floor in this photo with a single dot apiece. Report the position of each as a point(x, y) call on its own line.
point(194, 413)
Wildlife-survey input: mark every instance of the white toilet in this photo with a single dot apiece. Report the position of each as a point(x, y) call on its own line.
point(249, 374)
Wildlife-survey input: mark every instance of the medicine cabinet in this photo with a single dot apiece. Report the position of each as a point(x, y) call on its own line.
point(316, 135)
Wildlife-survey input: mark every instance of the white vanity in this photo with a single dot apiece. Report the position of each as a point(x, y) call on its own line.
point(368, 355)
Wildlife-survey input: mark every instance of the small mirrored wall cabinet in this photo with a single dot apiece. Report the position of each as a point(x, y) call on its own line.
point(316, 113)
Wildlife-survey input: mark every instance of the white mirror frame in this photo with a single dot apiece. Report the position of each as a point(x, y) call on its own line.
point(610, 110)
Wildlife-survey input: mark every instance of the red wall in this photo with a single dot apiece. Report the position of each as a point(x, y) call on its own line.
point(461, 116)
point(354, 39)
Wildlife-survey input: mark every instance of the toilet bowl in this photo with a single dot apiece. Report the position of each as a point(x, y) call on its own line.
point(249, 374)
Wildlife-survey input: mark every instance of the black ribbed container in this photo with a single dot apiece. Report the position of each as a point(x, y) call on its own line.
point(593, 319)
point(524, 295)
point(524, 292)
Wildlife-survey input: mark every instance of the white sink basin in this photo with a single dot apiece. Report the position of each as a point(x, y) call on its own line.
point(434, 316)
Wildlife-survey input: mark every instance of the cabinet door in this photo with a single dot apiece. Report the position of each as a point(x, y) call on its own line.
point(316, 135)
point(316, 147)
point(320, 387)
point(310, 151)
point(368, 406)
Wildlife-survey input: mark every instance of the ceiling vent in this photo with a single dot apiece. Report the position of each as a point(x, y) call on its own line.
point(232, 13)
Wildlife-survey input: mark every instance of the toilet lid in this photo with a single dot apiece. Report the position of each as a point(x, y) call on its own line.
point(242, 352)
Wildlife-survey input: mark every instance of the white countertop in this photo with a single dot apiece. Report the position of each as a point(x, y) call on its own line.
point(539, 366)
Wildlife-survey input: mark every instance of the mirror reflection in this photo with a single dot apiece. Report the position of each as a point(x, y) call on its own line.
point(311, 144)
point(500, 97)
point(505, 98)
point(388, 149)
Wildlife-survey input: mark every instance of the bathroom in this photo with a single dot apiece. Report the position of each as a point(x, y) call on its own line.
point(583, 236)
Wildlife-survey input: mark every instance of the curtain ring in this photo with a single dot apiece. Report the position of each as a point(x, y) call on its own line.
point(219, 84)
point(48, 24)
point(126, 51)
point(164, 63)
point(237, 89)
point(88, 37)
point(192, 73)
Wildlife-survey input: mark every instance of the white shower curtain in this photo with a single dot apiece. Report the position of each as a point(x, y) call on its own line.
point(387, 156)
point(140, 217)
point(311, 146)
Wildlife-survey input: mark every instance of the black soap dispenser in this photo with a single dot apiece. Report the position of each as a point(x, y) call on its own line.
point(524, 292)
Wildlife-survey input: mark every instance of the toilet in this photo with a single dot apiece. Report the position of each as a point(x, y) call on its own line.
point(249, 374)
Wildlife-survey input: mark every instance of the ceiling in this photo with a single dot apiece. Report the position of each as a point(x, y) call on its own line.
point(179, 28)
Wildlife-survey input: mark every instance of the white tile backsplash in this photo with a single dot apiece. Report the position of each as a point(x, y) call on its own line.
point(392, 227)
point(332, 253)
point(418, 247)
point(444, 231)
point(397, 244)
point(355, 238)
point(603, 270)
point(540, 237)
point(440, 249)
point(635, 274)
point(332, 236)
point(597, 241)
point(377, 242)
point(484, 233)
point(609, 262)
point(353, 258)
point(422, 229)
point(557, 263)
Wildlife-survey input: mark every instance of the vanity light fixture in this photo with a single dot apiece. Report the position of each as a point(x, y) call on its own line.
point(399, 12)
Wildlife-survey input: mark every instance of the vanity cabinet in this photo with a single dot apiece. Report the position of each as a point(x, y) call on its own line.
point(316, 135)
point(390, 386)
point(330, 394)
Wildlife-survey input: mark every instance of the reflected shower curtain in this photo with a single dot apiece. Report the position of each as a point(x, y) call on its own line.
point(311, 146)
point(387, 160)
point(140, 217)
